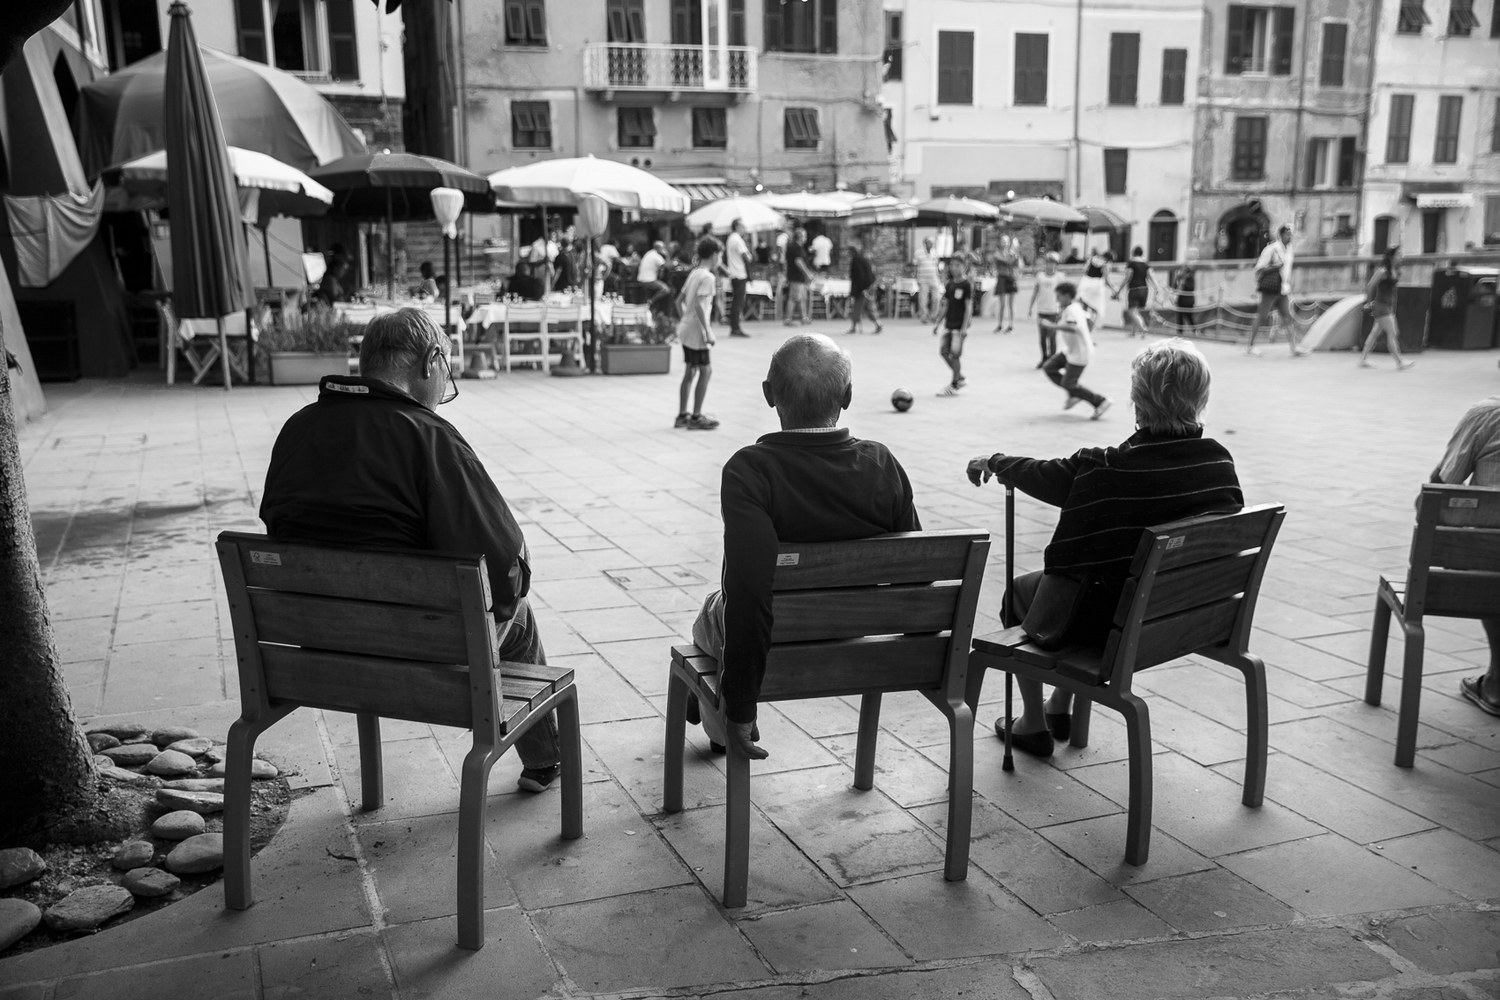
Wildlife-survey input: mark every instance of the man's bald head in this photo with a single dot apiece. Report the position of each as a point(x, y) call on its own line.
point(809, 381)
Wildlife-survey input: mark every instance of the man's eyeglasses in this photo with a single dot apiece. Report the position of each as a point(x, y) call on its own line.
point(441, 352)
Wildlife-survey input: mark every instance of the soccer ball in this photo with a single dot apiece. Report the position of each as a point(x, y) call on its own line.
point(902, 399)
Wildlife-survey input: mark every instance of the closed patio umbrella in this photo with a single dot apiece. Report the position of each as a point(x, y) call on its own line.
point(210, 265)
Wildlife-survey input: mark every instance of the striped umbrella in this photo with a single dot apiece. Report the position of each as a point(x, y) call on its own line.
point(1099, 220)
point(1040, 211)
point(210, 263)
point(880, 209)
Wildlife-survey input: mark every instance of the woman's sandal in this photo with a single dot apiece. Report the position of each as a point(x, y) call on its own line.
point(1472, 688)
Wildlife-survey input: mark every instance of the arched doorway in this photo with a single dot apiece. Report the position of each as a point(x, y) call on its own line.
point(1163, 242)
point(1243, 231)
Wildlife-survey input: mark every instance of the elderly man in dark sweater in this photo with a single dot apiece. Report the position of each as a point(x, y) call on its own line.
point(371, 464)
point(810, 482)
point(1166, 470)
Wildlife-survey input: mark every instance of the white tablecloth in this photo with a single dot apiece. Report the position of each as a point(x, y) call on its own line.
point(494, 313)
point(363, 312)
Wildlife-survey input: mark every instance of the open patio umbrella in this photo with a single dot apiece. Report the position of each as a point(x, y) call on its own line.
point(261, 108)
point(210, 266)
point(951, 211)
point(757, 216)
point(880, 209)
point(391, 186)
point(1097, 220)
point(806, 205)
point(564, 182)
point(1041, 211)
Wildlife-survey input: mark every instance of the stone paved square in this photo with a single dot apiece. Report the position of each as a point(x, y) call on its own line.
point(130, 481)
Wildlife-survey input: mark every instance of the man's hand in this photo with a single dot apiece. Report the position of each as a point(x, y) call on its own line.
point(739, 739)
point(979, 470)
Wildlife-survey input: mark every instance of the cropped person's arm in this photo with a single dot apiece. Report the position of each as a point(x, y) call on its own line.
point(466, 513)
point(1047, 480)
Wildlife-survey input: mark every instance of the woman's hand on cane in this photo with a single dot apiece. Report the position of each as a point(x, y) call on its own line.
point(979, 470)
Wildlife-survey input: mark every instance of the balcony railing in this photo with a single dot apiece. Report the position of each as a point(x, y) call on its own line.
point(644, 66)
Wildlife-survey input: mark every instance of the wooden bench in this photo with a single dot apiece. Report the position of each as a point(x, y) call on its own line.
point(1454, 572)
point(400, 635)
point(862, 617)
point(1192, 589)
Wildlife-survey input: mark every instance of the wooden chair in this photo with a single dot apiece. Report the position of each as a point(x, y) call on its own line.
point(1192, 589)
point(523, 321)
point(890, 613)
point(563, 325)
point(1454, 572)
point(401, 635)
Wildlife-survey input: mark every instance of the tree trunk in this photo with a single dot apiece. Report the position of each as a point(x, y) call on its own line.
point(46, 766)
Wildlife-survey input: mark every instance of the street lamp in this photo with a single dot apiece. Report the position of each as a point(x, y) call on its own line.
point(447, 203)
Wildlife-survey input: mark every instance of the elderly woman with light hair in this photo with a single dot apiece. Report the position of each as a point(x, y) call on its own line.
point(1166, 470)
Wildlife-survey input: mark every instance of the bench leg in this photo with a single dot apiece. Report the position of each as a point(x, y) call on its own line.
point(1083, 711)
point(241, 748)
point(1411, 696)
point(677, 696)
point(1380, 630)
point(864, 753)
point(371, 768)
point(1138, 739)
point(1256, 733)
point(474, 782)
point(960, 791)
point(572, 766)
point(737, 830)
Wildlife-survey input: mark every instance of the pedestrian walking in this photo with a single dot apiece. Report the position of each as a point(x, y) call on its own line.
point(1044, 304)
point(1006, 259)
point(1137, 286)
point(697, 336)
point(1380, 300)
point(1066, 366)
point(798, 277)
point(1185, 288)
point(929, 283)
point(957, 313)
point(1273, 279)
point(861, 290)
point(1095, 282)
point(737, 267)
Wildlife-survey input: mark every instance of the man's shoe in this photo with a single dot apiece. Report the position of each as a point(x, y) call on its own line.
point(739, 333)
point(1036, 744)
point(693, 715)
point(949, 390)
point(701, 422)
point(682, 420)
point(536, 779)
point(1405, 365)
point(1363, 363)
point(961, 382)
point(1472, 688)
point(1252, 352)
point(1061, 724)
point(1099, 410)
point(1070, 402)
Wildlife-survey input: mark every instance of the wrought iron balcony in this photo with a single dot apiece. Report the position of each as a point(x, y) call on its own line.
point(646, 66)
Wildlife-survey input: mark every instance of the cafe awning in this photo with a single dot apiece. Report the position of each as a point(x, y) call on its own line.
point(1442, 199)
point(704, 189)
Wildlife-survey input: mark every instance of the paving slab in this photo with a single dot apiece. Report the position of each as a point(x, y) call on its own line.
point(1442, 943)
point(633, 752)
point(1120, 920)
point(342, 966)
point(1036, 793)
point(1332, 802)
point(1100, 844)
point(986, 980)
point(1328, 875)
point(1453, 862)
point(428, 965)
point(835, 935)
point(906, 775)
point(931, 918)
point(1213, 900)
point(227, 976)
point(414, 865)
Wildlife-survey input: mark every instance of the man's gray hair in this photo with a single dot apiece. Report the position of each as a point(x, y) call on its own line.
point(398, 340)
point(809, 375)
point(1169, 383)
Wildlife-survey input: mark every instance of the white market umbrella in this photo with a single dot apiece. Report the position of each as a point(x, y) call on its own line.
point(846, 196)
point(565, 181)
point(757, 216)
point(954, 210)
point(1041, 211)
point(880, 209)
point(806, 205)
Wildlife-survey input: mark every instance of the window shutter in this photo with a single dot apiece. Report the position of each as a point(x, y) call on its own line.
point(1335, 40)
point(1494, 28)
point(541, 116)
point(646, 122)
point(945, 67)
point(773, 40)
point(736, 22)
point(1115, 168)
point(1283, 22)
point(1031, 69)
point(687, 22)
point(1450, 111)
point(615, 26)
point(1398, 132)
point(810, 125)
point(794, 133)
point(536, 22)
point(521, 117)
point(1124, 63)
point(1310, 176)
point(963, 73)
point(515, 22)
point(828, 26)
point(252, 20)
point(1173, 76)
point(1234, 41)
point(1348, 162)
point(1495, 129)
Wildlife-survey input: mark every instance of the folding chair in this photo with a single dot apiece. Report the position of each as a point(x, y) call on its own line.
point(563, 324)
point(523, 322)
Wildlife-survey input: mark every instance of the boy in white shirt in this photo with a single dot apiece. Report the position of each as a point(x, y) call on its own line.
point(1064, 367)
point(821, 248)
point(736, 266)
point(697, 336)
point(1044, 295)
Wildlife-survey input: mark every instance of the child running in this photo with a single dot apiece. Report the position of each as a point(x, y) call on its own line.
point(957, 312)
point(697, 337)
point(1044, 304)
point(1064, 367)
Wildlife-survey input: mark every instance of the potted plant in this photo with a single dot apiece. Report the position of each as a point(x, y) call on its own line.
point(303, 347)
point(639, 349)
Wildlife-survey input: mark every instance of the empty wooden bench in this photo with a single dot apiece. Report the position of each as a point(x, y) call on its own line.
point(1454, 572)
point(862, 617)
point(400, 635)
point(1192, 589)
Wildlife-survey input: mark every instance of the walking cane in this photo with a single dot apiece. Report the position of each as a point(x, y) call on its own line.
point(1009, 764)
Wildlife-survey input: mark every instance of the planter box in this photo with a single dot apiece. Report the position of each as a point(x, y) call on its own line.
point(636, 359)
point(305, 368)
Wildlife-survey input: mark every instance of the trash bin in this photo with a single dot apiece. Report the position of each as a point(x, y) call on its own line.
point(1463, 310)
point(1411, 320)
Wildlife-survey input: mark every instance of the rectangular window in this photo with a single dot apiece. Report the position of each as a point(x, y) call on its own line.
point(709, 128)
point(1348, 161)
point(343, 54)
point(1492, 220)
point(530, 125)
point(687, 22)
point(800, 128)
point(1031, 69)
point(1495, 129)
point(1411, 17)
point(1398, 131)
point(955, 67)
point(1445, 147)
point(1249, 148)
point(1259, 40)
point(626, 20)
point(802, 26)
point(252, 24)
point(736, 22)
point(526, 22)
point(1495, 20)
point(1461, 17)
point(1315, 174)
point(1115, 162)
point(893, 45)
point(1173, 76)
point(1335, 43)
point(636, 127)
point(1124, 66)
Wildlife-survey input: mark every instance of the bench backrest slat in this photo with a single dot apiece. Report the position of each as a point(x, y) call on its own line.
point(417, 578)
point(1211, 536)
point(807, 670)
point(369, 627)
point(906, 557)
point(1191, 586)
point(1465, 548)
point(396, 689)
point(1462, 594)
point(1463, 506)
point(1454, 546)
point(851, 612)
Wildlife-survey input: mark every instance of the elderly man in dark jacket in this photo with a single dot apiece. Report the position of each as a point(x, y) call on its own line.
point(372, 465)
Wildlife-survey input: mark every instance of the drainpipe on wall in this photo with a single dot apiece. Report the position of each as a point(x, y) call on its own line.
point(1301, 109)
point(1077, 91)
point(577, 121)
point(1364, 129)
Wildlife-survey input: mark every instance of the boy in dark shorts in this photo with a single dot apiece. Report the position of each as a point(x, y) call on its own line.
point(696, 336)
point(957, 312)
point(1138, 282)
